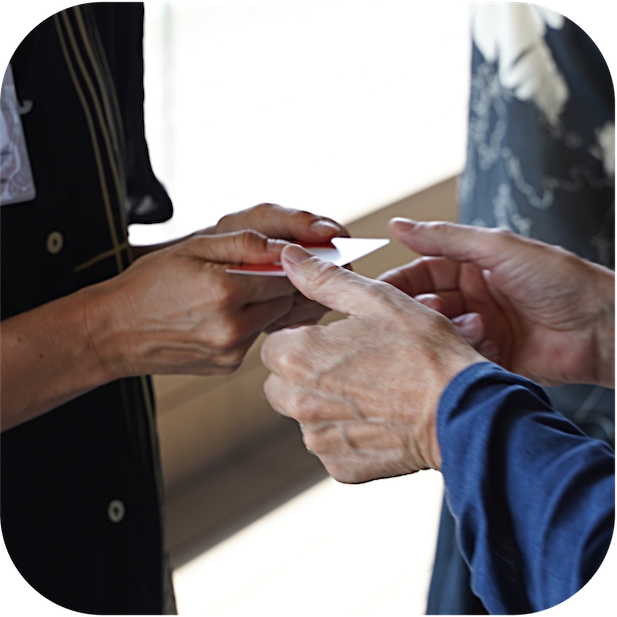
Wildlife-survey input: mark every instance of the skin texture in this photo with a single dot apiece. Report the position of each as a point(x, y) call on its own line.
point(535, 309)
point(366, 389)
point(174, 310)
point(275, 221)
point(182, 313)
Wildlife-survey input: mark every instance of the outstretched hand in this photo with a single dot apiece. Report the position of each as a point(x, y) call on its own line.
point(364, 389)
point(178, 310)
point(535, 309)
point(277, 222)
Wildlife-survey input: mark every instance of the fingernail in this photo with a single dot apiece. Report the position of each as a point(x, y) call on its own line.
point(325, 229)
point(296, 254)
point(275, 245)
point(465, 323)
point(403, 224)
point(431, 301)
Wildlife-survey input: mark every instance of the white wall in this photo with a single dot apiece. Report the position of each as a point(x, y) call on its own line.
point(336, 107)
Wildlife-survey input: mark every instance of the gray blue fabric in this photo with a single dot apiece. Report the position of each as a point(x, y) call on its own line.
point(549, 179)
point(533, 497)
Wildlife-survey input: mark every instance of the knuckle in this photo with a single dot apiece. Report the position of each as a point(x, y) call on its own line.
point(224, 297)
point(289, 360)
point(225, 221)
point(378, 291)
point(264, 207)
point(314, 442)
point(433, 319)
point(227, 335)
point(294, 365)
point(503, 234)
point(442, 227)
point(264, 210)
point(271, 350)
point(286, 351)
point(323, 273)
point(232, 357)
point(382, 295)
point(437, 321)
point(247, 239)
point(302, 407)
point(269, 388)
point(560, 252)
point(300, 214)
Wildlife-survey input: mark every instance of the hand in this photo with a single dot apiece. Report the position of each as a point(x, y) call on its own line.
point(176, 310)
point(277, 222)
point(274, 222)
point(365, 389)
point(536, 309)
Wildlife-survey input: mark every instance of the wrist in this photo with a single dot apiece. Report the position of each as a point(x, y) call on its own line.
point(100, 315)
point(605, 331)
point(451, 363)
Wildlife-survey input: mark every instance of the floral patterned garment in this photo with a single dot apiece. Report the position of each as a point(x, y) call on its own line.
point(541, 163)
point(541, 146)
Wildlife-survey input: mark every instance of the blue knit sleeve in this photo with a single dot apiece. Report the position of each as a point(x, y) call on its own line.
point(533, 497)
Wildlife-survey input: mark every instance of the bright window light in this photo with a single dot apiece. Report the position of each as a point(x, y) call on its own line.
point(334, 107)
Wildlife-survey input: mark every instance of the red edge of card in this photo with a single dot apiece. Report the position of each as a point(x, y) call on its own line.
point(276, 267)
point(256, 268)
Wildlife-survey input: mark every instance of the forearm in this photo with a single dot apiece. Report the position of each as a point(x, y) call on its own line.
point(533, 497)
point(47, 359)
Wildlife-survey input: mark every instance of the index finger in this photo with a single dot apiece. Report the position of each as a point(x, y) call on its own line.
point(278, 222)
point(487, 248)
point(330, 285)
point(424, 275)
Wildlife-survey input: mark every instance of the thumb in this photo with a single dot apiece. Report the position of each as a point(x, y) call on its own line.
point(337, 288)
point(486, 248)
point(238, 247)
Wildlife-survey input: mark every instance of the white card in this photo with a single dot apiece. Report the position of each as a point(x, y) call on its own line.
point(16, 181)
point(341, 251)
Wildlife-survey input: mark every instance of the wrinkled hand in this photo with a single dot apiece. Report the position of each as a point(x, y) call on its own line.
point(277, 222)
point(365, 389)
point(535, 309)
point(177, 310)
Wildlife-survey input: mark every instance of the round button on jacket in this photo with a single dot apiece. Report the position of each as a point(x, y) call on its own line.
point(55, 242)
point(115, 511)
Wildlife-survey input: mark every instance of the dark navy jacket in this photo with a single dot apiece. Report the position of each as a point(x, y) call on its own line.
point(81, 485)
